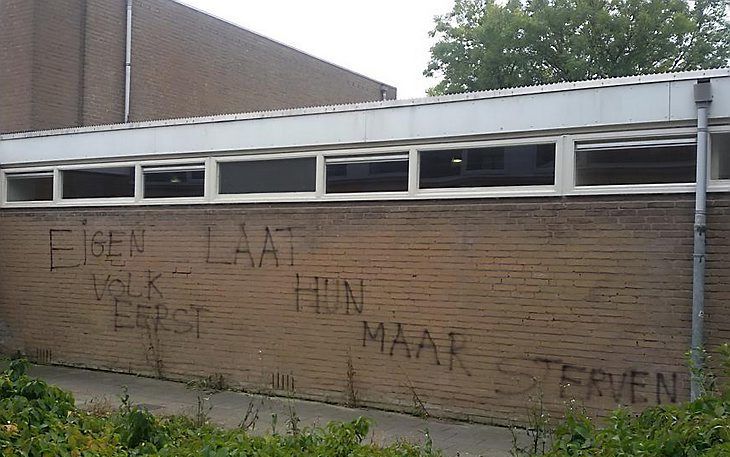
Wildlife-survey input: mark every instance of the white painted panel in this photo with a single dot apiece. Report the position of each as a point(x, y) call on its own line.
point(556, 111)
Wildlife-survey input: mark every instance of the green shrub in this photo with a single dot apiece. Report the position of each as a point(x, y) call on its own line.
point(697, 428)
point(39, 420)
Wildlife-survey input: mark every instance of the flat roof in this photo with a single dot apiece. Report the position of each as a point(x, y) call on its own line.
point(479, 95)
point(659, 100)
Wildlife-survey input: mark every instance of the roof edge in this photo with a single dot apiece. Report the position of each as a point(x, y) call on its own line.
point(366, 106)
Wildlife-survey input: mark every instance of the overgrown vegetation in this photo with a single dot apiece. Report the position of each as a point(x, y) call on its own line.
point(697, 428)
point(41, 420)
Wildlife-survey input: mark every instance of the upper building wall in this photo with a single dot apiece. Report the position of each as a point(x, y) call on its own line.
point(186, 63)
point(16, 36)
point(68, 57)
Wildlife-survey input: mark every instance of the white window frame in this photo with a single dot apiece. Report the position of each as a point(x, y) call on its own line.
point(39, 171)
point(390, 155)
point(495, 191)
point(105, 201)
point(564, 173)
point(716, 185)
point(217, 197)
point(182, 164)
point(634, 136)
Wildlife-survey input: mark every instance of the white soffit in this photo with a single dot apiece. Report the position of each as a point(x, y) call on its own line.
point(560, 107)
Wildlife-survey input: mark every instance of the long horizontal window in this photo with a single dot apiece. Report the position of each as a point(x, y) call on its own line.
point(658, 161)
point(526, 165)
point(636, 162)
point(385, 173)
point(174, 181)
point(30, 187)
point(267, 176)
point(112, 182)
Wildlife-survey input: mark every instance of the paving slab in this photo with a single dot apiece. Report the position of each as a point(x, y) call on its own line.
point(228, 409)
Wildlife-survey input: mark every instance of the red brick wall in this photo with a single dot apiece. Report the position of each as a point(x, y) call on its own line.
point(65, 66)
point(16, 53)
point(460, 302)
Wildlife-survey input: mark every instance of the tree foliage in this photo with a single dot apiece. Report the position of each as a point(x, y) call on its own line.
point(483, 44)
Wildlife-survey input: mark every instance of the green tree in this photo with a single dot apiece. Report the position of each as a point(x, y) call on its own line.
point(487, 45)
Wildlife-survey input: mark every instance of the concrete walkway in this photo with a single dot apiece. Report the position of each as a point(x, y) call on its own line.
point(102, 389)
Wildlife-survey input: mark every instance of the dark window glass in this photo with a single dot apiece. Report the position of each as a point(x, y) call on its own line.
point(527, 165)
point(636, 165)
point(366, 176)
point(30, 188)
point(177, 183)
point(267, 176)
point(721, 156)
point(98, 183)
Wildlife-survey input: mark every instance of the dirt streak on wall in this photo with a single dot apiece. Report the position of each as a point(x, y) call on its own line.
point(468, 305)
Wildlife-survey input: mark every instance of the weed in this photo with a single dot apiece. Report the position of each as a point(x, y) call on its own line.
point(98, 406)
point(250, 418)
point(538, 428)
point(202, 411)
point(351, 400)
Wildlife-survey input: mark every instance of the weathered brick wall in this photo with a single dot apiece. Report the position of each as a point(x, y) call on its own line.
point(64, 60)
point(16, 36)
point(460, 303)
point(186, 63)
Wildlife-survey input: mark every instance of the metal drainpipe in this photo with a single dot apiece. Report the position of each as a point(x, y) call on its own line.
point(703, 98)
point(128, 62)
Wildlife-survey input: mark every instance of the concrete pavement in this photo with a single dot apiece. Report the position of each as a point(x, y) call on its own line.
point(228, 409)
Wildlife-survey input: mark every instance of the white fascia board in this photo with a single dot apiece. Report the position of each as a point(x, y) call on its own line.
point(641, 103)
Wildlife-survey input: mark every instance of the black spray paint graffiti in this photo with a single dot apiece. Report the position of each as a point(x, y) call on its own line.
point(132, 308)
point(584, 383)
point(242, 253)
point(127, 286)
point(426, 347)
point(74, 248)
point(326, 295)
point(180, 320)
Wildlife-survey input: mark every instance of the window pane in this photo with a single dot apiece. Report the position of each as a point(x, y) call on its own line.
point(526, 165)
point(721, 156)
point(266, 176)
point(178, 183)
point(30, 188)
point(645, 165)
point(98, 183)
point(364, 176)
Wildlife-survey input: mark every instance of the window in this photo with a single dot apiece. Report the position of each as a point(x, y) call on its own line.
point(636, 162)
point(30, 187)
point(268, 176)
point(386, 173)
point(98, 182)
point(720, 156)
point(525, 165)
point(174, 181)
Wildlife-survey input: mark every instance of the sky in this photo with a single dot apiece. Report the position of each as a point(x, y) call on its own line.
point(386, 40)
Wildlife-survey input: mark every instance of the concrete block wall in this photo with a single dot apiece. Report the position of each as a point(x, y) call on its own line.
point(468, 307)
point(64, 64)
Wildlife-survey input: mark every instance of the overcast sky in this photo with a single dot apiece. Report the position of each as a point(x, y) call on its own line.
point(384, 39)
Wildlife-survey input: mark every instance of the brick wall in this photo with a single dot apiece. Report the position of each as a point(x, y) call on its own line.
point(64, 66)
point(16, 36)
point(461, 303)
